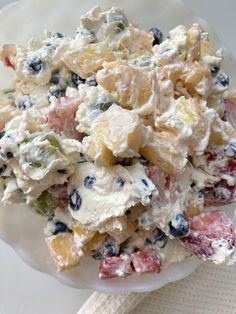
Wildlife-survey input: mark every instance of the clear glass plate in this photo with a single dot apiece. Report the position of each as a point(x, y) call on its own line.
point(20, 227)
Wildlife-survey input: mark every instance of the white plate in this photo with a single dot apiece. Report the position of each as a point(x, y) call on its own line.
point(19, 226)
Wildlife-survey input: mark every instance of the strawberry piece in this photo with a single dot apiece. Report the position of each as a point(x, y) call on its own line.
point(220, 194)
point(231, 166)
point(161, 180)
point(8, 63)
point(211, 236)
point(116, 266)
point(210, 155)
point(61, 118)
point(146, 262)
point(218, 162)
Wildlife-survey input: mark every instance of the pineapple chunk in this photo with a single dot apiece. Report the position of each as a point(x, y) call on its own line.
point(82, 236)
point(95, 242)
point(87, 60)
point(95, 150)
point(82, 230)
point(193, 211)
point(120, 130)
point(196, 72)
point(194, 41)
point(206, 46)
point(222, 132)
point(162, 150)
point(134, 87)
point(120, 228)
point(63, 250)
point(190, 121)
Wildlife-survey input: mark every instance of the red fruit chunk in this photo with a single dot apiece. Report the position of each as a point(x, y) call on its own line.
point(211, 233)
point(210, 156)
point(7, 55)
point(164, 182)
point(231, 166)
point(220, 194)
point(146, 262)
point(61, 118)
point(217, 162)
point(116, 266)
point(8, 63)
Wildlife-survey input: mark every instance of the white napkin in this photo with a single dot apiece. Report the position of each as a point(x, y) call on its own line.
point(100, 303)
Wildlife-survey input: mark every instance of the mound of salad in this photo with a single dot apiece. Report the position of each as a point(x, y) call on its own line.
point(125, 140)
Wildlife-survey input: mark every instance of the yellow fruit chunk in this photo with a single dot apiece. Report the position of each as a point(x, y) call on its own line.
point(190, 121)
point(120, 130)
point(162, 150)
point(120, 228)
point(194, 40)
point(95, 150)
point(82, 230)
point(87, 60)
point(222, 132)
point(95, 242)
point(195, 73)
point(206, 46)
point(133, 86)
point(63, 250)
point(136, 43)
point(193, 212)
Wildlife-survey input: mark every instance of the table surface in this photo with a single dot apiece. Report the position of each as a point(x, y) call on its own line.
point(26, 291)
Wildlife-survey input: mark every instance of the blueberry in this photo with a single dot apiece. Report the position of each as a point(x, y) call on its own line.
point(76, 79)
point(128, 212)
point(150, 196)
point(120, 27)
point(60, 227)
point(223, 80)
point(193, 184)
point(125, 161)
point(3, 169)
point(144, 182)
point(143, 161)
point(96, 255)
point(57, 35)
point(35, 64)
point(159, 238)
point(62, 171)
point(214, 70)
point(179, 226)
point(120, 182)
point(111, 248)
point(9, 155)
point(91, 81)
point(55, 78)
point(2, 133)
point(201, 194)
point(75, 200)
point(89, 182)
point(24, 103)
point(230, 149)
point(87, 32)
point(103, 106)
point(157, 34)
point(148, 241)
point(58, 93)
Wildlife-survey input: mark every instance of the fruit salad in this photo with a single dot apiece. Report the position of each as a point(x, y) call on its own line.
point(125, 141)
